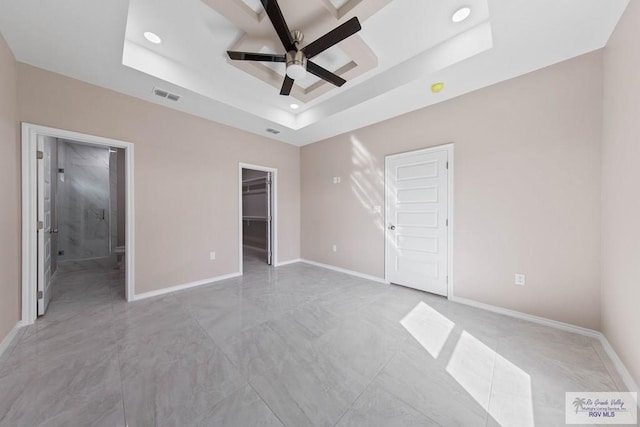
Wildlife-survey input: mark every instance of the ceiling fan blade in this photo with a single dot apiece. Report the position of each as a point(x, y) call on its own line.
point(333, 37)
point(286, 86)
point(277, 19)
point(325, 74)
point(248, 56)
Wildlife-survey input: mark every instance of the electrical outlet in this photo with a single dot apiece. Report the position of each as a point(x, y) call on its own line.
point(520, 279)
point(336, 180)
point(212, 256)
point(377, 209)
point(335, 248)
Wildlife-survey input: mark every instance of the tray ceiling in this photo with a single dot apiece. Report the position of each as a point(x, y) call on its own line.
point(404, 47)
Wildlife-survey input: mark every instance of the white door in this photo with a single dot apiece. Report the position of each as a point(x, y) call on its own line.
point(44, 225)
point(417, 220)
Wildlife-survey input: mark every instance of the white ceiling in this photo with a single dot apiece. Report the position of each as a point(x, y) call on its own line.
point(415, 42)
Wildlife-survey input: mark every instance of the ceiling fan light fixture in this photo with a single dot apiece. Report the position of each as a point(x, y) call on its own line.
point(294, 106)
point(296, 71)
point(152, 37)
point(461, 14)
point(296, 65)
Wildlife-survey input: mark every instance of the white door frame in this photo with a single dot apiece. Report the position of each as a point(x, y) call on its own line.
point(30, 134)
point(274, 212)
point(44, 234)
point(449, 149)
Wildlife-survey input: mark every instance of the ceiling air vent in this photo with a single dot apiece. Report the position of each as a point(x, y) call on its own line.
point(165, 94)
point(273, 131)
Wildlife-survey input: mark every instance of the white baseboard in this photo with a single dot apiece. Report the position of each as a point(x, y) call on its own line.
point(617, 363)
point(345, 271)
point(183, 286)
point(291, 261)
point(622, 370)
point(531, 318)
point(6, 342)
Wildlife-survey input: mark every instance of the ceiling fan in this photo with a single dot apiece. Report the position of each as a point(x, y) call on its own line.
point(298, 60)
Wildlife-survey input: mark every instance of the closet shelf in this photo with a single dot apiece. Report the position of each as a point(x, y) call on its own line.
point(255, 218)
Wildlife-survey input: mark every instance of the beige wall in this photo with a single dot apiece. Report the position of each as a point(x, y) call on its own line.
point(621, 191)
point(9, 194)
point(527, 190)
point(186, 175)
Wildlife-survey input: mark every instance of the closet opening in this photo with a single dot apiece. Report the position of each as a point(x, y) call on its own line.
point(257, 215)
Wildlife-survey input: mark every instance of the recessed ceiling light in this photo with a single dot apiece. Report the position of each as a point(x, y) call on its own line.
point(461, 14)
point(437, 87)
point(152, 37)
point(294, 106)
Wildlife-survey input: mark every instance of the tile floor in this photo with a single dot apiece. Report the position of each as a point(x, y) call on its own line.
point(295, 346)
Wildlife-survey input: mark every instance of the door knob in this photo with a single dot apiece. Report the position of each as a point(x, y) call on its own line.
point(392, 227)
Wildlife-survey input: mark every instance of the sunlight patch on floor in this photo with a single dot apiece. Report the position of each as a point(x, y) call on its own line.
point(429, 328)
point(471, 364)
point(511, 396)
point(499, 386)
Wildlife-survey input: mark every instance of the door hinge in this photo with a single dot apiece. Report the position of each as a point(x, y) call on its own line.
point(447, 165)
point(40, 295)
point(40, 225)
point(447, 222)
point(39, 155)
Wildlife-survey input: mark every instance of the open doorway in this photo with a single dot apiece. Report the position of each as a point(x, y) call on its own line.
point(257, 208)
point(78, 219)
point(82, 208)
